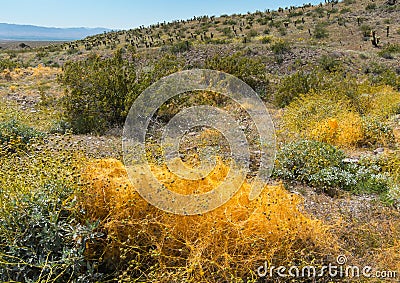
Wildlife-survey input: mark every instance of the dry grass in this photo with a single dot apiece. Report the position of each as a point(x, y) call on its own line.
point(38, 72)
point(31, 95)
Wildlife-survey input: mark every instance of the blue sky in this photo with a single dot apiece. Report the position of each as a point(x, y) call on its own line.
point(124, 14)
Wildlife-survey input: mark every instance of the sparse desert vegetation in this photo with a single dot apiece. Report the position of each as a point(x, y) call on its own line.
point(330, 77)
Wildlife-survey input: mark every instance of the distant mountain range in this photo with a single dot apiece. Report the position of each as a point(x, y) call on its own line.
point(32, 33)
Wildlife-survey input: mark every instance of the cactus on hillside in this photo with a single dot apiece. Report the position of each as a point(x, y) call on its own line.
point(374, 39)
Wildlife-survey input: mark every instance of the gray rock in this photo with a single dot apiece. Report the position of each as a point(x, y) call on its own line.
point(379, 150)
point(350, 160)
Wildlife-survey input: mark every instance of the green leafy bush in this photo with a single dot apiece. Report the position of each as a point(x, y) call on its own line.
point(330, 63)
point(322, 166)
point(359, 179)
point(266, 39)
point(390, 163)
point(349, 2)
point(15, 136)
point(380, 74)
point(41, 235)
point(96, 92)
point(366, 30)
point(60, 127)
point(280, 47)
point(389, 51)
point(252, 33)
point(294, 85)
point(100, 91)
point(377, 133)
point(251, 70)
point(320, 31)
point(301, 160)
point(8, 64)
point(43, 242)
point(181, 46)
point(318, 80)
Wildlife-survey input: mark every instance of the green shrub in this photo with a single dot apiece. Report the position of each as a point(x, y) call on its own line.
point(9, 64)
point(345, 10)
point(263, 21)
point(218, 41)
point(96, 92)
point(323, 118)
point(380, 102)
point(316, 81)
point(293, 85)
point(390, 163)
point(230, 22)
point(333, 177)
point(320, 31)
point(329, 63)
point(386, 55)
point(252, 33)
point(72, 51)
point(15, 136)
point(42, 239)
point(295, 14)
point(389, 50)
point(60, 127)
point(366, 30)
point(282, 31)
point(227, 31)
point(42, 243)
point(380, 74)
point(322, 166)
point(251, 70)
point(301, 160)
point(100, 92)
point(267, 31)
point(320, 11)
point(371, 175)
point(280, 47)
point(266, 39)
point(370, 6)
point(349, 2)
point(357, 179)
point(377, 133)
point(181, 46)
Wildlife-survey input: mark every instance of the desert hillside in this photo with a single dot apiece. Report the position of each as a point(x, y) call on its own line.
point(73, 209)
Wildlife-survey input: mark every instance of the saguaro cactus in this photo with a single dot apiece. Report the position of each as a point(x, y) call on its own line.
point(374, 39)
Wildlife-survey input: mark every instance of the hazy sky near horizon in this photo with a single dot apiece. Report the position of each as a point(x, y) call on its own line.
point(124, 14)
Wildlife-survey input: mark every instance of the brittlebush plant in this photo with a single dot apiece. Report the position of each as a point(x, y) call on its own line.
point(380, 102)
point(324, 119)
point(42, 239)
point(224, 245)
point(344, 130)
